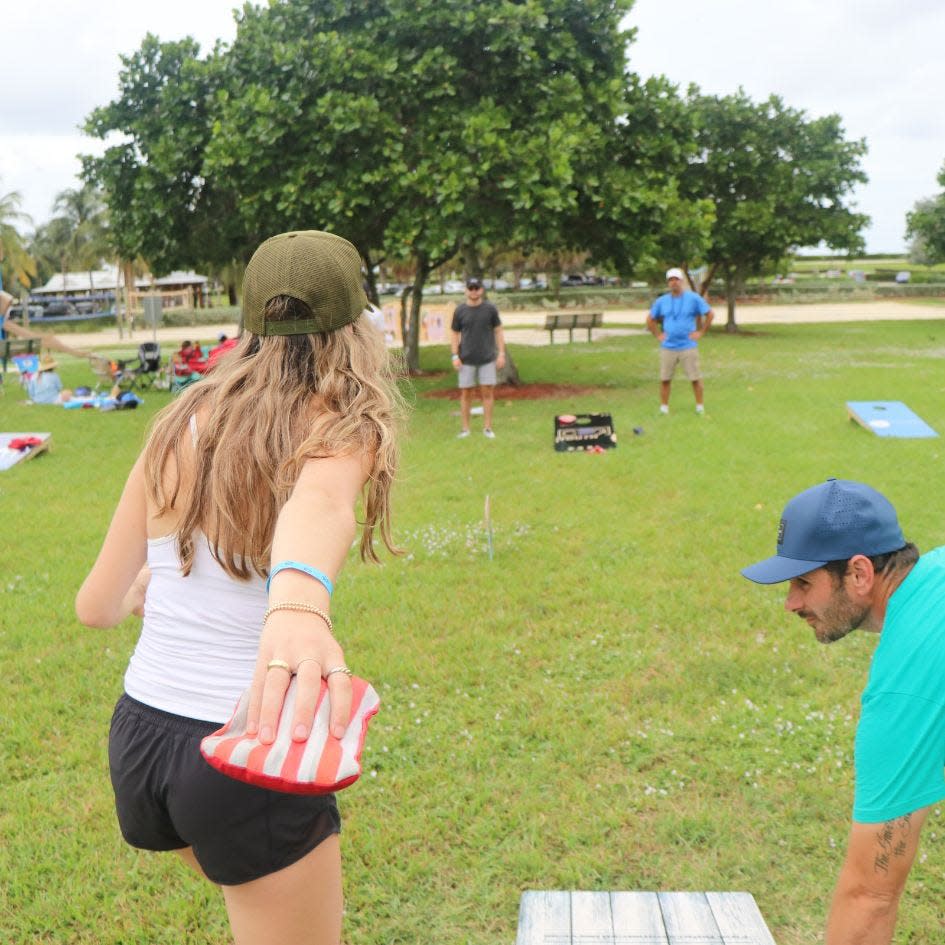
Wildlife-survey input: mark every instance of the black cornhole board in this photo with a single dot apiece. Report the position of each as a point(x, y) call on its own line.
point(584, 431)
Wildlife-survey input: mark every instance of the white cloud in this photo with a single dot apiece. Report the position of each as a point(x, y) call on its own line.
point(876, 63)
point(64, 60)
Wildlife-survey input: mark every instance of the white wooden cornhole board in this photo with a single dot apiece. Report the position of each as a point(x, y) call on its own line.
point(10, 457)
point(640, 918)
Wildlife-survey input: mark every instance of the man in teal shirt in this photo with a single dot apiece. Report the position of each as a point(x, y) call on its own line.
point(842, 550)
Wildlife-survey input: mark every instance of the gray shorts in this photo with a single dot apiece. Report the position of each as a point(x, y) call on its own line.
point(472, 375)
point(689, 359)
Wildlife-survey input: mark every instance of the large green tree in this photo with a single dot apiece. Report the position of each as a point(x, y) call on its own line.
point(419, 128)
point(777, 180)
point(162, 207)
point(925, 225)
point(416, 128)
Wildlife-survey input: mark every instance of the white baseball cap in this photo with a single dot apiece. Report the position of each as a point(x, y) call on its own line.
point(675, 273)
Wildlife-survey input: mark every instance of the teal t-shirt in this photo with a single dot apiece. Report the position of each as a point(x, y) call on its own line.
point(899, 752)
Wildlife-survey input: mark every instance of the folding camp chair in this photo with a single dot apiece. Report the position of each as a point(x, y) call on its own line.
point(143, 372)
point(107, 373)
point(179, 377)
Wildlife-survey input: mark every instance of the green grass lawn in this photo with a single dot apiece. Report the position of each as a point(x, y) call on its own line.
point(606, 704)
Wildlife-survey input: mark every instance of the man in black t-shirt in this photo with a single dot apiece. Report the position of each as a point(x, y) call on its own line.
point(478, 345)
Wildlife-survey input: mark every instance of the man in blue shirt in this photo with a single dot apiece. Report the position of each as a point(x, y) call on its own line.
point(679, 318)
point(842, 550)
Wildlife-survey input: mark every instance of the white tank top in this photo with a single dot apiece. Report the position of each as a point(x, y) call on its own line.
point(200, 633)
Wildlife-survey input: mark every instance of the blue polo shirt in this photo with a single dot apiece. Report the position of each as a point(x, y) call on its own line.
point(899, 752)
point(678, 313)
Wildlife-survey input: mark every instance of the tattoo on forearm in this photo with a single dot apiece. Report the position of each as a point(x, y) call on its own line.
point(892, 839)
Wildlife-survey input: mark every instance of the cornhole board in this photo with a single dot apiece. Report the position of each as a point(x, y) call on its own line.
point(640, 918)
point(888, 418)
point(584, 431)
point(10, 457)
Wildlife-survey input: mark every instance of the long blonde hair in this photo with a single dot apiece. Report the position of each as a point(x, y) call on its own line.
point(269, 405)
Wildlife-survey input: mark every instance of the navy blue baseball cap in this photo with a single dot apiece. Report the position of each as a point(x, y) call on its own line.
point(829, 522)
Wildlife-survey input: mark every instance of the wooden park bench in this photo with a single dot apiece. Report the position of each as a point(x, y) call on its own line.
point(11, 347)
point(640, 918)
point(571, 321)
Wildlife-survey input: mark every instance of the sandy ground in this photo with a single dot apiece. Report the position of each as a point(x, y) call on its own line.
point(525, 327)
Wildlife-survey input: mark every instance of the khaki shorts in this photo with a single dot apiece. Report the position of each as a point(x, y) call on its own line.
point(473, 375)
point(689, 359)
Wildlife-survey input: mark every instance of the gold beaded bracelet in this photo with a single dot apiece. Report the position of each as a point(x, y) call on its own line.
point(300, 606)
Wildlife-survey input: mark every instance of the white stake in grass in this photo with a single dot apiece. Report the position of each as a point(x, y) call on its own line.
point(488, 524)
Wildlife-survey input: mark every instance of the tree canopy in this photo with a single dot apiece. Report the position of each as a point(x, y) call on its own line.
point(161, 206)
point(423, 129)
point(777, 180)
point(417, 129)
point(925, 225)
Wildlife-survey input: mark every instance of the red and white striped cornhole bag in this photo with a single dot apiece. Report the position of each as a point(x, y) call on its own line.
point(320, 765)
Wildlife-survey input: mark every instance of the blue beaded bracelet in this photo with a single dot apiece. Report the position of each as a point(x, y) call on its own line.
point(305, 569)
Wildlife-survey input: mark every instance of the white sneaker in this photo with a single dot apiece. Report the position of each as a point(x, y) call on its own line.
point(700, 409)
point(488, 434)
point(462, 434)
point(664, 408)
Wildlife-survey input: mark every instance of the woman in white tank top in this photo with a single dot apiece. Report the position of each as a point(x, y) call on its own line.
point(252, 473)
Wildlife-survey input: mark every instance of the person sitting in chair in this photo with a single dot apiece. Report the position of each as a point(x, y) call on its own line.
point(189, 360)
point(45, 386)
point(223, 345)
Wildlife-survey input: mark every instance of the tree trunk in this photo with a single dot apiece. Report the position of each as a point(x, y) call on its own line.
point(518, 268)
point(554, 278)
point(404, 296)
point(472, 264)
point(730, 294)
point(509, 374)
point(370, 280)
point(412, 328)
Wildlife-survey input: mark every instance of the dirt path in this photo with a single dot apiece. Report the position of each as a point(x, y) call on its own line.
point(526, 326)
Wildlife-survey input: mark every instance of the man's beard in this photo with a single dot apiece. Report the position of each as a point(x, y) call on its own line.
point(840, 617)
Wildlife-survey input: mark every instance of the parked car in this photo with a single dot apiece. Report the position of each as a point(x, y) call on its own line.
point(390, 288)
point(572, 279)
point(59, 307)
point(35, 311)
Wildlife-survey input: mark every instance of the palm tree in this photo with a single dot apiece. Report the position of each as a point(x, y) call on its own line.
point(84, 211)
point(16, 264)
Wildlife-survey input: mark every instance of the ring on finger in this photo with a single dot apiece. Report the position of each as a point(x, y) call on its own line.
point(279, 664)
point(338, 669)
point(307, 659)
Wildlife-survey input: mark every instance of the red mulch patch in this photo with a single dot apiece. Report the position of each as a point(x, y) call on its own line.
point(521, 392)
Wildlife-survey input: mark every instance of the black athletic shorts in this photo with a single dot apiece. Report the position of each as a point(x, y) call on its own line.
point(168, 797)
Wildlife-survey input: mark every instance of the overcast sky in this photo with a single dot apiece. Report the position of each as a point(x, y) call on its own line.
point(876, 63)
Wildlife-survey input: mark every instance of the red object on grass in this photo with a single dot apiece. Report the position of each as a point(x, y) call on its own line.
point(24, 442)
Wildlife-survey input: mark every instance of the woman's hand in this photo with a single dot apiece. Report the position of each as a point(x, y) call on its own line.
point(302, 641)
